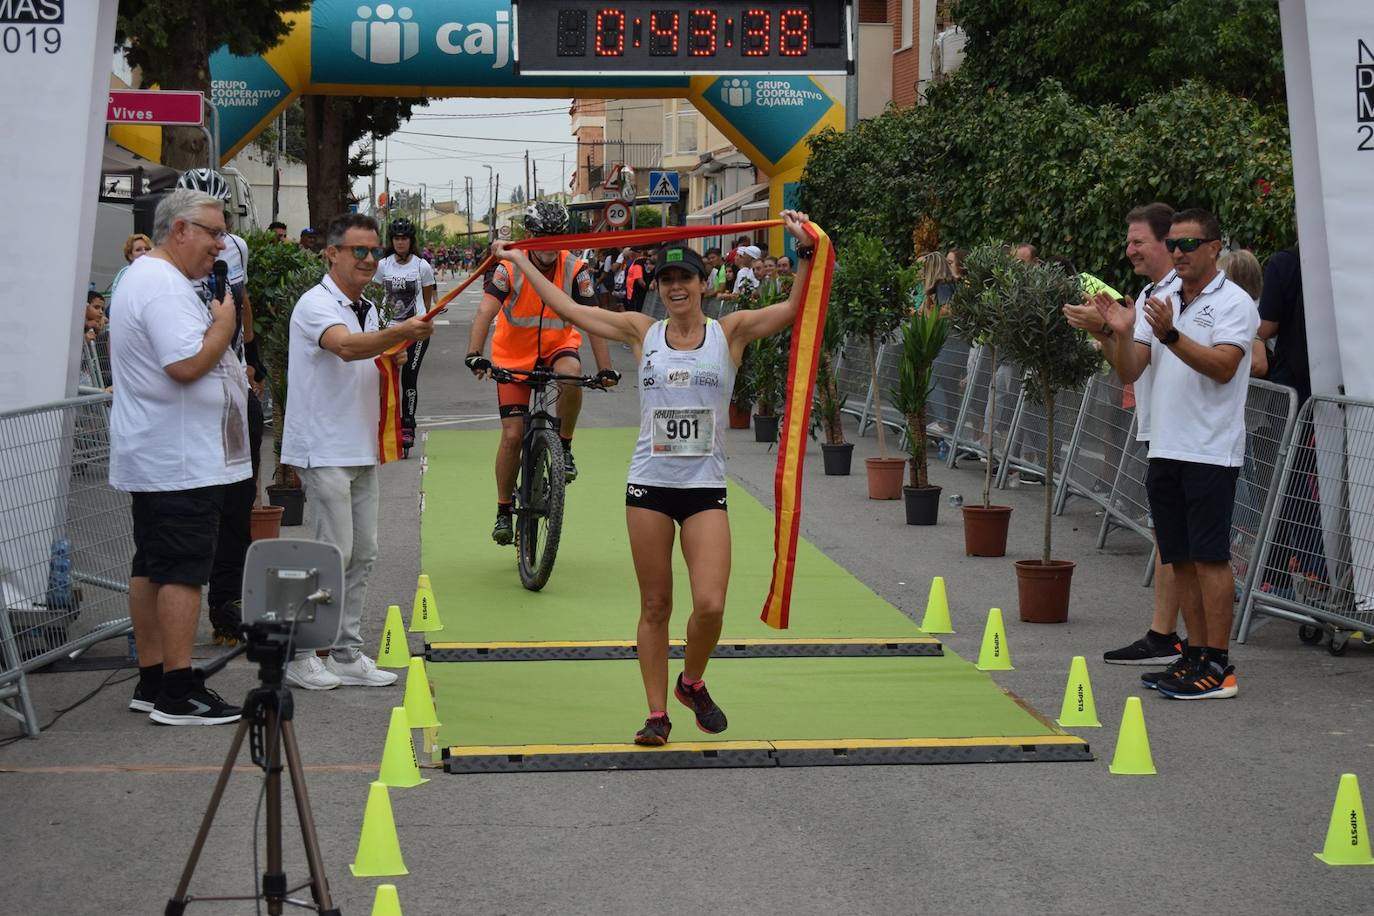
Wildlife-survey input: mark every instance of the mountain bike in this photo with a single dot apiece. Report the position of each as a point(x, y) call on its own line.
point(538, 507)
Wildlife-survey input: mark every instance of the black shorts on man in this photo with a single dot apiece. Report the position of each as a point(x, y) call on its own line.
point(175, 532)
point(1191, 505)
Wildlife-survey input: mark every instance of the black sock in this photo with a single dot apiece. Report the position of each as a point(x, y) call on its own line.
point(1194, 653)
point(176, 685)
point(150, 679)
point(567, 442)
point(503, 508)
point(1221, 656)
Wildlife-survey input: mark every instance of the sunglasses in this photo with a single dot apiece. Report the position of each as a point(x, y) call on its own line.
point(1188, 245)
point(360, 252)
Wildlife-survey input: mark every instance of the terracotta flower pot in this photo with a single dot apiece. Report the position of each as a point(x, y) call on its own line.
point(739, 417)
point(985, 530)
point(266, 522)
point(1043, 590)
point(885, 477)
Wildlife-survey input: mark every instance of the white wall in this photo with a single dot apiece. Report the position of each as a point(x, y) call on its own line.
point(294, 206)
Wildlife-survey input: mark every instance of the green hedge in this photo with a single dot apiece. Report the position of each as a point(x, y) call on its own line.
point(1040, 167)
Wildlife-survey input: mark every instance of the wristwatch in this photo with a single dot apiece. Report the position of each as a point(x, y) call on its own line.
point(1170, 337)
point(807, 253)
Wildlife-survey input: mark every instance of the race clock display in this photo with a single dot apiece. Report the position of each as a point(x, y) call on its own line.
point(651, 37)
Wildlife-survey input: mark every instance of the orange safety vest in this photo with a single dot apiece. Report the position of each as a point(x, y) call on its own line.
point(526, 330)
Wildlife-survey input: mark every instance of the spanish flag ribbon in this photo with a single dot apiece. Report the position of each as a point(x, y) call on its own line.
point(807, 334)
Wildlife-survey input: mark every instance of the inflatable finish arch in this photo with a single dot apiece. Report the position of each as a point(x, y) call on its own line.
point(439, 48)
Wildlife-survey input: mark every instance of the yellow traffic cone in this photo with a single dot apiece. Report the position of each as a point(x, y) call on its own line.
point(1079, 710)
point(419, 701)
point(1347, 837)
point(379, 851)
point(424, 614)
point(994, 656)
point(386, 903)
point(936, 618)
point(394, 653)
point(1132, 755)
point(400, 769)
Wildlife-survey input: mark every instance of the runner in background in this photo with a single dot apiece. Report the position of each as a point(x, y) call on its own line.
point(407, 281)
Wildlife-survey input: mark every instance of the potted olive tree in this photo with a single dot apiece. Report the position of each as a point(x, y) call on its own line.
point(1056, 357)
point(923, 336)
point(979, 314)
point(829, 403)
point(278, 275)
point(872, 291)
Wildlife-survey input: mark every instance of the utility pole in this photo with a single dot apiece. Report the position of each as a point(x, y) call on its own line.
point(372, 193)
point(536, 180)
point(467, 182)
point(276, 166)
point(528, 196)
point(386, 181)
point(495, 202)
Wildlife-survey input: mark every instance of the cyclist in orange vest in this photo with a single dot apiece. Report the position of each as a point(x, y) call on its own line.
point(528, 334)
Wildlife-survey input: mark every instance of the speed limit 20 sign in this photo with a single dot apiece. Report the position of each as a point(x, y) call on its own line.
point(617, 214)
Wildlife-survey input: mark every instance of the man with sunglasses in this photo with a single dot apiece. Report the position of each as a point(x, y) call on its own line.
point(331, 431)
point(1195, 338)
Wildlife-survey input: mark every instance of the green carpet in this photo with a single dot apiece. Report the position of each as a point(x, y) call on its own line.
point(602, 702)
point(592, 593)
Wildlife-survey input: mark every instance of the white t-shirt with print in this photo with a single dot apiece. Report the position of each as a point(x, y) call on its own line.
point(1194, 418)
point(333, 405)
point(167, 435)
point(404, 285)
point(1168, 284)
point(745, 275)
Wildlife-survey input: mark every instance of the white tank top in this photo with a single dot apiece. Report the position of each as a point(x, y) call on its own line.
point(683, 399)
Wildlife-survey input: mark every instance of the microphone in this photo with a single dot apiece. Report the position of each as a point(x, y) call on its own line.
point(219, 281)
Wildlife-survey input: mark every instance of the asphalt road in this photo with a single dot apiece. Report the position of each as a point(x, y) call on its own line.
point(96, 816)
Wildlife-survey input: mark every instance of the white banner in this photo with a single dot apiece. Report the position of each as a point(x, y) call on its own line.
point(55, 74)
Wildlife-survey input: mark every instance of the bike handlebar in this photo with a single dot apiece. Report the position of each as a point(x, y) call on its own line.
point(542, 375)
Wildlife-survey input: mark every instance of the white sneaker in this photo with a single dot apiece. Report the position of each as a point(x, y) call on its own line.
point(361, 672)
point(311, 674)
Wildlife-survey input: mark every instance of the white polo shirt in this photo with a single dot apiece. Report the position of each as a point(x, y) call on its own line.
point(1194, 418)
point(167, 435)
point(1168, 284)
point(332, 405)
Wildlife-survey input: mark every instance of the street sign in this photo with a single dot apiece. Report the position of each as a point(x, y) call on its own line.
point(503, 232)
point(664, 187)
point(150, 106)
point(617, 214)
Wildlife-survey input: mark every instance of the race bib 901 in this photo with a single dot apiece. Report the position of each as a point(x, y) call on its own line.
point(684, 431)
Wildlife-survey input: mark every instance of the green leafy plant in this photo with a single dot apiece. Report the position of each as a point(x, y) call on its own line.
point(768, 372)
point(871, 290)
point(979, 314)
point(829, 403)
point(923, 336)
point(1054, 355)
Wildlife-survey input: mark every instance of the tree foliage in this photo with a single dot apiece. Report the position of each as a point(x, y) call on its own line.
point(332, 125)
point(1124, 51)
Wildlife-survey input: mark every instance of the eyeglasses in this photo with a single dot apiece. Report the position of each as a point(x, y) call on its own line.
point(360, 252)
point(1188, 245)
point(217, 234)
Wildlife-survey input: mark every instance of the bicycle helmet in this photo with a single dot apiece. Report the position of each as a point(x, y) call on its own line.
point(546, 217)
point(401, 227)
point(206, 180)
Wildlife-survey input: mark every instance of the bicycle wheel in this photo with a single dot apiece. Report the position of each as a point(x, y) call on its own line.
point(541, 519)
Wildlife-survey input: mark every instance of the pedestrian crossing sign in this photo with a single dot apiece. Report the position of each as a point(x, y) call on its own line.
point(663, 187)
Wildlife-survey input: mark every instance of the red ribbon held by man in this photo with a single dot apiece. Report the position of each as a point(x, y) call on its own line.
point(807, 336)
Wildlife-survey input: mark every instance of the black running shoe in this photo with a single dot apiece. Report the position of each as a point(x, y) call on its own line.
point(1147, 650)
point(710, 717)
point(569, 466)
point(654, 733)
point(202, 706)
point(142, 700)
point(1181, 666)
point(1207, 681)
point(504, 532)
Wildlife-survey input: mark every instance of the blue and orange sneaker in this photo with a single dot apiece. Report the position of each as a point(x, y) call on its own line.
point(655, 732)
point(710, 717)
point(1207, 681)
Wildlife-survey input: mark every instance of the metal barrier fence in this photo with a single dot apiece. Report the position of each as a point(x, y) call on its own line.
point(66, 542)
point(1314, 563)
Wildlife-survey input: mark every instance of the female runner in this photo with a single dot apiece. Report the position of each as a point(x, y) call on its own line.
point(687, 366)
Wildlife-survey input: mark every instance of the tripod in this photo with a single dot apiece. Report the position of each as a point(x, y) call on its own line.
point(267, 722)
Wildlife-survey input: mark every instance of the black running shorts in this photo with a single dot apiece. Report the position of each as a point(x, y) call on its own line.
point(678, 503)
point(175, 533)
point(1191, 506)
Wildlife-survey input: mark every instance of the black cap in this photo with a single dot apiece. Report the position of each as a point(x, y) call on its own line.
point(680, 256)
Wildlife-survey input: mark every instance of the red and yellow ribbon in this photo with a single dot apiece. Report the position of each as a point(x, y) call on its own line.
point(807, 335)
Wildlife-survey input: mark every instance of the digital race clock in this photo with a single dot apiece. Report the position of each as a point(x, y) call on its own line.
point(651, 37)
